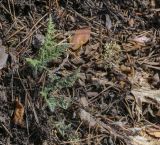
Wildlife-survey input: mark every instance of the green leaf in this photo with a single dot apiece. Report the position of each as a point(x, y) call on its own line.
point(32, 62)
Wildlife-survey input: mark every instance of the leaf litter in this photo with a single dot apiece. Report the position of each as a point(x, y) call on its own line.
point(116, 98)
point(80, 37)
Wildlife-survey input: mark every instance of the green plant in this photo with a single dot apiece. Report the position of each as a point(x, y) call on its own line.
point(56, 84)
point(64, 103)
point(50, 49)
point(66, 130)
point(63, 128)
point(68, 81)
point(74, 137)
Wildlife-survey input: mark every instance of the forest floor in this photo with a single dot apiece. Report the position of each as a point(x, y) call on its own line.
point(113, 96)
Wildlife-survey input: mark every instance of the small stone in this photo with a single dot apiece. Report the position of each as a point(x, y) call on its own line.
point(38, 41)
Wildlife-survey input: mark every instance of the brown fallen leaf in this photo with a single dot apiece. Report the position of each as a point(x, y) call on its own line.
point(153, 132)
point(80, 38)
point(125, 69)
point(18, 113)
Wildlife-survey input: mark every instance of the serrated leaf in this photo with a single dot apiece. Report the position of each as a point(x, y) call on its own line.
point(52, 103)
point(32, 62)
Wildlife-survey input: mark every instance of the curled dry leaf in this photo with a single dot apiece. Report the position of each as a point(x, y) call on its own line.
point(3, 57)
point(18, 113)
point(80, 38)
point(125, 69)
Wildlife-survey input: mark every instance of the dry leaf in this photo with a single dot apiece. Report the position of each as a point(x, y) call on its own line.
point(153, 132)
point(140, 78)
point(87, 117)
point(84, 102)
point(90, 50)
point(142, 140)
point(141, 39)
point(80, 38)
point(103, 127)
point(18, 113)
point(126, 69)
point(147, 95)
point(92, 94)
point(3, 57)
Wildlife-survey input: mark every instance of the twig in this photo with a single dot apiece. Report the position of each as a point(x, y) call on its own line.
point(29, 99)
point(61, 65)
point(31, 30)
point(10, 134)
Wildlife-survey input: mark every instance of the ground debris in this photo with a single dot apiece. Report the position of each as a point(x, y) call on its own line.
point(18, 113)
point(115, 97)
